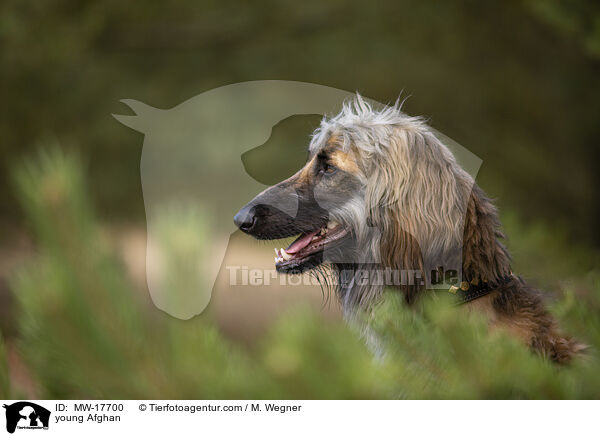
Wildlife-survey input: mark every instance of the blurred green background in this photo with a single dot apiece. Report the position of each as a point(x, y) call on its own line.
point(517, 83)
point(514, 82)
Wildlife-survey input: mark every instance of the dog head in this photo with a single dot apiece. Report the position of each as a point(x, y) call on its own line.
point(378, 187)
point(310, 204)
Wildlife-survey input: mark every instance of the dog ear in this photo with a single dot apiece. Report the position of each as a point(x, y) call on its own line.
point(414, 194)
point(398, 249)
point(484, 256)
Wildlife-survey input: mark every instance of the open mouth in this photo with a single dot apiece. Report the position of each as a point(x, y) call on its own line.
point(308, 246)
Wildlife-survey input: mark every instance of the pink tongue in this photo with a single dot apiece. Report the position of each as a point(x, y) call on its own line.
point(301, 242)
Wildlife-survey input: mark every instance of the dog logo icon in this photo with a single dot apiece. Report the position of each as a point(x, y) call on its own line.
point(196, 146)
point(26, 415)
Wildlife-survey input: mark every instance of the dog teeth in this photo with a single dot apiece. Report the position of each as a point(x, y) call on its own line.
point(332, 224)
point(314, 238)
point(281, 255)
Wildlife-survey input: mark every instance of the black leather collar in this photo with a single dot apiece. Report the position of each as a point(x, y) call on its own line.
point(469, 291)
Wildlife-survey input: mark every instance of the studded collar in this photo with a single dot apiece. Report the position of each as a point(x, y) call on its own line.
point(469, 291)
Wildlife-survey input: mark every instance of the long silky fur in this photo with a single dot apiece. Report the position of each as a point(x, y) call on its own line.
point(417, 209)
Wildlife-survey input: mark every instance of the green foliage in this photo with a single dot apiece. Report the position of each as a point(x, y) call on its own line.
point(311, 358)
point(184, 233)
point(547, 255)
point(5, 390)
point(84, 333)
point(440, 352)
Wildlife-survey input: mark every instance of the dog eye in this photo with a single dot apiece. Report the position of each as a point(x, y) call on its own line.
point(328, 169)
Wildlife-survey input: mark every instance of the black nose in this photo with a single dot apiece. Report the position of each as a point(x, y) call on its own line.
point(245, 219)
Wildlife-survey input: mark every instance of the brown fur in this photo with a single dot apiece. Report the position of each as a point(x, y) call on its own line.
point(408, 203)
point(401, 252)
point(514, 305)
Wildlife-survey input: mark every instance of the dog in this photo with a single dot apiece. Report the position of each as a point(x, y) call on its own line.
point(380, 192)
